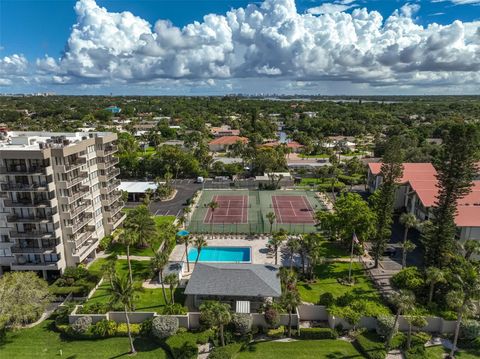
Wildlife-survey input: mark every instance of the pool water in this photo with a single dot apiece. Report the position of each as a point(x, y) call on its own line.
point(221, 254)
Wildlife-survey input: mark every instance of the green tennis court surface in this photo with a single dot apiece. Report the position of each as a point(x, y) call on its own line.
point(244, 211)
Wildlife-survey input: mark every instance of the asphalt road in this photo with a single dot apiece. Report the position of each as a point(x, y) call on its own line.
point(186, 188)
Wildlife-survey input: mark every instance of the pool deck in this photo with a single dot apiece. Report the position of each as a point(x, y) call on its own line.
point(260, 254)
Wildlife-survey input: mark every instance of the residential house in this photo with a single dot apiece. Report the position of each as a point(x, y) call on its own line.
point(223, 144)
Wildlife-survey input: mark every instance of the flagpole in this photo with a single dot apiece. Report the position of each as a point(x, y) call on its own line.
point(351, 260)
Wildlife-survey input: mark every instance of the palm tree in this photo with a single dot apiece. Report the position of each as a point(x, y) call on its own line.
point(407, 247)
point(416, 321)
point(186, 240)
point(433, 276)
point(172, 281)
point(271, 219)
point(471, 247)
point(467, 280)
point(408, 220)
point(217, 315)
point(403, 300)
point(212, 205)
point(200, 243)
point(158, 263)
point(129, 238)
point(293, 245)
point(141, 221)
point(276, 242)
point(122, 291)
point(290, 300)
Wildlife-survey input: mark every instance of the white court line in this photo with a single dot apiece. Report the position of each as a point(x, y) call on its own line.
point(309, 207)
point(205, 219)
point(275, 207)
point(293, 209)
point(178, 213)
point(156, 212)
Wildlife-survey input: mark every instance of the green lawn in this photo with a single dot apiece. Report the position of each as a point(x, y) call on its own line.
point(333, 250)
point(438, 351)
point(42, 342)
point(159, 220)
point(302, 349)
point(140, 269)
point(148, 152)
point(321, 155)
point(327, 275)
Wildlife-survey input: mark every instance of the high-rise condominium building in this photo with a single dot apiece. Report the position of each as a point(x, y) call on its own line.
point(59, 198)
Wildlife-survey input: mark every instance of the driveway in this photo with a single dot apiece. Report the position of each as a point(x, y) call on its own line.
point(185, 190)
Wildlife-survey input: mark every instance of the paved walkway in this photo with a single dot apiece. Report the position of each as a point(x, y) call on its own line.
point(51, 308)
point(133, 258)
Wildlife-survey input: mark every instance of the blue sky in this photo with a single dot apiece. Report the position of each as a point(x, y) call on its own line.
point(34, 29)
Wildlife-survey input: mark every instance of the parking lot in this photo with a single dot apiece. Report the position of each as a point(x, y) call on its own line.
point(185, 190)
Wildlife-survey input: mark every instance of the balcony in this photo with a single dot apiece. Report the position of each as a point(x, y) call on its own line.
point(8, 203)
point(76, 163)
point(34, 266)
point(115, 208)
point(73, 181)
point(15, 218)
point(73, 212)
point(81, 237)
point(108, 200)
point(108, 150)
point(23, 170)
point(110, 187)
point(82, 252)
point(27, 187)
point(110, 174)
point(117, 220)
point(77, 194)
point(81, 222)
point(109, 163)
point(33, 234)
point(20, 250)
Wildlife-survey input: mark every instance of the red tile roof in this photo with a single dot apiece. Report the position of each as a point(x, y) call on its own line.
point(228, 140)
point(411, 171)
point(291, 144)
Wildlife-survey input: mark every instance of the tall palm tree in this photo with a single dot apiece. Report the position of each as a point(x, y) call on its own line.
point(290, 300)
point(216, 315)
point(293, 245)
point(121, 292)
point(271, 219)
point(200, 243)
point(276, 241)
point(433, 276)
point(416, 321)
point(128, 238)
point(158, 263)
point(403, 300)
point(172, 281)
point(407, 247)
point(186, 240)
point(408, 220)
point(467, 280)
point(213, 205)
point(141, 221)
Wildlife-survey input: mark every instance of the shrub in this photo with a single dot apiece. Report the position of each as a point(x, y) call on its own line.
point(385, 325)
point(416, 352)
point(227, 352)
point(146, 327)
point(272, 317)
point(469, 329)
point(105, 328)
point(75, 273)
point(122, 330)
point(164, 326)
point(105, 243)
point(94, 308)
point(370, 345)
point(398, 341)
point(318, 333)
point(62, 313)
point(326, 299)
point(64, 291)
point(242, 323)
point(276, 333)
point(174, 309)
point(182, 346)
point(81, 325)
point(408, 278)
point(204, 337)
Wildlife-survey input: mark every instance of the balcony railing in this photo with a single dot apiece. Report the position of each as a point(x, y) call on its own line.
point(25, 187)
point(32, 234)
point(21, 170)
point(81, 222)
point(27, 203)
point(73, 212)
point(32, 249)
point(74, 181)
point(13, 218)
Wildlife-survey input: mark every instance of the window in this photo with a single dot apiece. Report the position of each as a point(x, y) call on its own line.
point(5, 252)
point(98, 224)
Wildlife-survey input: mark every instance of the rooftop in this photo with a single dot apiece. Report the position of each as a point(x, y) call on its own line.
point(411, 171)
point(228, 140)
point(137, 187)
point(236, 280)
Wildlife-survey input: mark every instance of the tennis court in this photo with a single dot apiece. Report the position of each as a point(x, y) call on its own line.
point(243, 211)
point(293, 209)
point(231, 209)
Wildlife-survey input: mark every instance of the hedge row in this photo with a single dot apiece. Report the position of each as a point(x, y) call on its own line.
point(183, 345)
point(371, 346)
point(227, 352)
point(318, 333)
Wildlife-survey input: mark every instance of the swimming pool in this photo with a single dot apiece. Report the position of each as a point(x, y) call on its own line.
point(221, 254)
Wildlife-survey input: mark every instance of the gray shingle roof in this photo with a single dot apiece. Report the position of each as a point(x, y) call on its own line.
point(232, 279)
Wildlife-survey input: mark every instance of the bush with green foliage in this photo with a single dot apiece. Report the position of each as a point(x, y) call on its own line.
point(371, 345)
point(242, 322)
point(326, 299)
point(62, 313)
point(385, 325)
point(105, 328)
point(469, 329)
point(146, 327)
point(122, 330)
point(227, 352)
point(409, 278)
point(164, 326)
point(182, 346)
point(272, 317)
point(174, 309)
point(94, 308)
point(318, 333)
point(276, 333)
point(81, 325)
point(105, 242)
point(416, 352)
point(204, 336)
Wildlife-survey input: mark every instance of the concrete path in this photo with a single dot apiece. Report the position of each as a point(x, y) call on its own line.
point(51, 308)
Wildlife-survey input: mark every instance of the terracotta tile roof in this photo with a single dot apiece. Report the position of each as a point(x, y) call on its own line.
point(411, 171)
point(228, 140)
point(291, 144)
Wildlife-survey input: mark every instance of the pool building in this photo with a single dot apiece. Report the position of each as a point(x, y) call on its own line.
point(244, 286)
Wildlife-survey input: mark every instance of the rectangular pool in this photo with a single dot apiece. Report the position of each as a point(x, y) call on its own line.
point(221, 254)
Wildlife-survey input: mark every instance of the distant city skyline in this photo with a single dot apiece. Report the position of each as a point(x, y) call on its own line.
point(148, 47)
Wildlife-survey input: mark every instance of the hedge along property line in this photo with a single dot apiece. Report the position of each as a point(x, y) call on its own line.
point(320, 313)
point(191, 320)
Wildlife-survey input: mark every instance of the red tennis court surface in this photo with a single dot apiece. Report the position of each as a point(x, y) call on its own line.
point(293, 209)
point(231, 209)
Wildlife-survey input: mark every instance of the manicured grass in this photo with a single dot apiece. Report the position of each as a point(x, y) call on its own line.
point(327, 275)
point(438, 351)
point(42, 342)
point(140, 269)
point(321, 155)
point(302, 349)
point(159, 220)
point(333, 250)
point(148, 152)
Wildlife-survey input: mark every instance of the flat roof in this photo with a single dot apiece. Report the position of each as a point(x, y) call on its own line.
point(136, 187)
